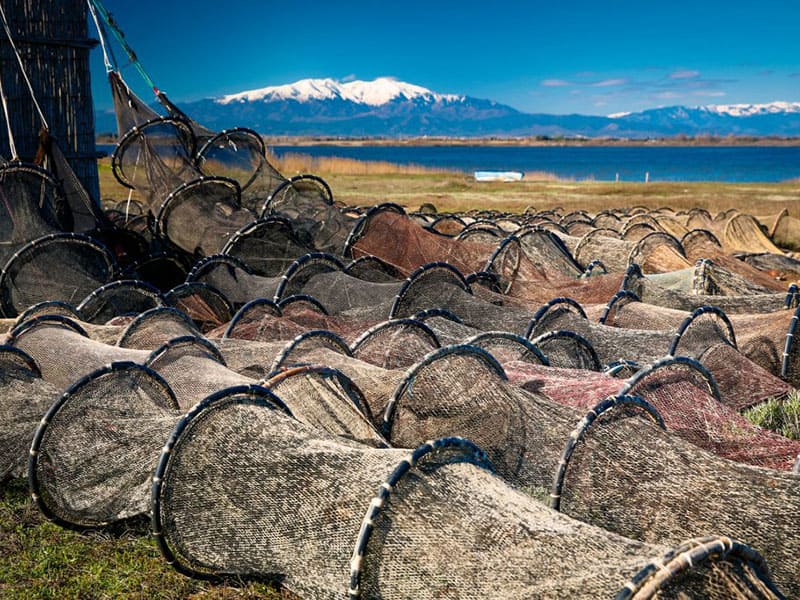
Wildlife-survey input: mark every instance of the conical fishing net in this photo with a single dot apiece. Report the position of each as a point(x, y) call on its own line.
point(204, 304)
point(399, 551)
point(24, 399)
point(268, 246)
point(32, 205)
point(65, 266)
point(118, 298)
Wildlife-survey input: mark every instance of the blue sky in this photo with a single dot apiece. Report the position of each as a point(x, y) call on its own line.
point(572, 56)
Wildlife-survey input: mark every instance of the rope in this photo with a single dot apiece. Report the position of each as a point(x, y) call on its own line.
point(109, 19)
point(11, 145)
point(22, 69)
point(103, 43)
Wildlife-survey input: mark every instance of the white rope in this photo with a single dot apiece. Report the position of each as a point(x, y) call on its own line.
point(100, 34)
point(22, 68)
point(11, 145)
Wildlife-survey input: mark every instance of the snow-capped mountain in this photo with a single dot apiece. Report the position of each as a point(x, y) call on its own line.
point(749, 110)
point(390, 108)
point(373, 93)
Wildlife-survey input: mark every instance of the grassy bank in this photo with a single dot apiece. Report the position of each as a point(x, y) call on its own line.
point(39, 560)
point(361, 183)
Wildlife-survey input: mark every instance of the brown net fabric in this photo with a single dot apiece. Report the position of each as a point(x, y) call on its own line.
point(742, 233)
point(721, 278)
point(204, 304)
point(682, 396)
point(787, 232)
point(118, 298)
point(95, 451)
point(760, 337)
point(24, 399)
point(64, 266)
point(401, 551)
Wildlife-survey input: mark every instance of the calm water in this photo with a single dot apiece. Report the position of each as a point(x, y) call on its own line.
point(664, 163)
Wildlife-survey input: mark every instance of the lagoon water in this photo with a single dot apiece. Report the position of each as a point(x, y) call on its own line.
point(601, 163)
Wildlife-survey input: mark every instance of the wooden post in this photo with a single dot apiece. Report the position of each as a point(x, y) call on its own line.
point(52, 38)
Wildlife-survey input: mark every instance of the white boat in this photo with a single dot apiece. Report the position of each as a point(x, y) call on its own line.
point(498, 175)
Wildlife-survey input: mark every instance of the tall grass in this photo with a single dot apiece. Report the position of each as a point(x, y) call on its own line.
point(293, 163)
point(781, 416)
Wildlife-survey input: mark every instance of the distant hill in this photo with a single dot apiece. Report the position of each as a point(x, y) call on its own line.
point(387, 107)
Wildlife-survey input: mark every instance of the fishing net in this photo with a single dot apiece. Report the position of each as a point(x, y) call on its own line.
point(326, 400)
point(64, 352)
point(235, 280)
point(61, 266)
point(160, 269)
point(395, 344)
point(786, 232)
point(307, 201)
point(194, 368)
point(200, 216)
point(155, 327)
point(95, 451)
point(760, 337)
point(268, 246)
point(204, 304)
point(32, 205)
point(742, 233)
point(372, 268)
point(118, 298)
point(202, 524)
point(24, 399)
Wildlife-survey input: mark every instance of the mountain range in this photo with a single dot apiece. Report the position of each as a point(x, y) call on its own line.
point(387, 107)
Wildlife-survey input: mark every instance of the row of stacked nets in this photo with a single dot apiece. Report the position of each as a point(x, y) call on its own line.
point(334, 399)
point(593, 448)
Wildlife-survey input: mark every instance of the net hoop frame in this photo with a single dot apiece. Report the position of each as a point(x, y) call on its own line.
point(705, 233)
point(523, 342)
point(618, 300)
point(698, 312)
point(145, 289)
point(187, 288)
point(412, 372)
point(561, 302)
point(205, 265)
point(653, 576)
point(65, 306)
point(242, 312)
point(589, 270)
point(147, 315)
point(380, 265)
point(361, 225)
point(160, 224)
point(469, 453)
point(312, 258)
point(306, 298)
point(266, 208)
point(638, 248)
point(199, 157)
point(430, 313)
point(27, 326)
point(666, 363)
point(789, 347)
point(353, 392)
point(254, 226)
point(331, 340)
point(421, 326)
point(53, 238)
point(577, 338)
point(20, 355)
point(420, 272)
point(583, 426)
point(183, 341)
point(140, 130)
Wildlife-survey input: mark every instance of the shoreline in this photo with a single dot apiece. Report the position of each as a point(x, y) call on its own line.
point(532, 141)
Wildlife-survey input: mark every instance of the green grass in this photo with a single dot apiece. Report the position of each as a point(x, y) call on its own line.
point(781, 416)
point(41, 560)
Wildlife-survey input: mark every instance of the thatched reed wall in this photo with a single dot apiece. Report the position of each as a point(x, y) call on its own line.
point(52, 38)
